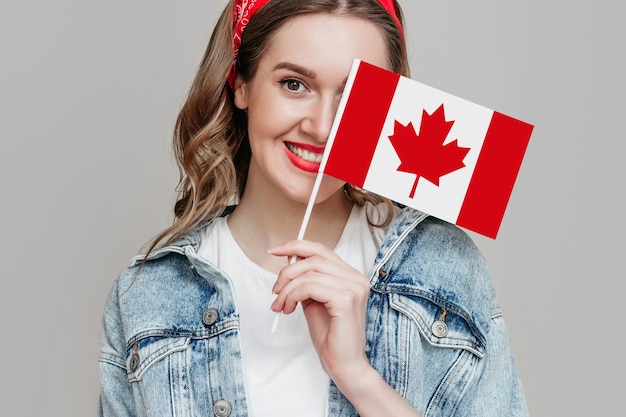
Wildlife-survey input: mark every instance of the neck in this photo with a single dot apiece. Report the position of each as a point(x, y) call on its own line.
point(261, 221)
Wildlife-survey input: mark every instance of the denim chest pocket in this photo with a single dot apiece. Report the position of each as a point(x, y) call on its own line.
point(429, 351)
point(148, 352)
point(160, 377)
point(439, 323)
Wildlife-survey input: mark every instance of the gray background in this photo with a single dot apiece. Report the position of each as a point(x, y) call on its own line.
point(88, 95)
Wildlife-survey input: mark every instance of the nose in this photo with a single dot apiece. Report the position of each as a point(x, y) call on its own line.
point(320, 118)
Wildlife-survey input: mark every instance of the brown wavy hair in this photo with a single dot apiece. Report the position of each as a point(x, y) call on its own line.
point(211, 139)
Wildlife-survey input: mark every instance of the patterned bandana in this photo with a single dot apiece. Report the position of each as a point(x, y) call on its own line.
point(245, 9)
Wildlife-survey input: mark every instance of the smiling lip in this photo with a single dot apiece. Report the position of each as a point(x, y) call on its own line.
point(303, 156)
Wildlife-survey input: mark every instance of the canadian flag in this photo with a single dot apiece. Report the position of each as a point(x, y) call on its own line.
point(425, 148)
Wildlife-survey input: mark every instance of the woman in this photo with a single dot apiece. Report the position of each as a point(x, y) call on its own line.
point(398, 318)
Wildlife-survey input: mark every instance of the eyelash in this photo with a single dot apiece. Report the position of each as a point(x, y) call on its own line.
point(285, 82)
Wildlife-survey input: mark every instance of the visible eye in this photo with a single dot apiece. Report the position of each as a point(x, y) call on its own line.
point(293, 85)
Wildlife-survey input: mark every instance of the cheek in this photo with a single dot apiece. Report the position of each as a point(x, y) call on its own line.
point(260, 129)
point(272, 118)
point(259, 122)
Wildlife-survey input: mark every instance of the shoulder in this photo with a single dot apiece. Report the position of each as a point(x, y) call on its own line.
point(440, 247)
point(163, 294)
point(157, 271)
point(438, 261)
point(163, 267)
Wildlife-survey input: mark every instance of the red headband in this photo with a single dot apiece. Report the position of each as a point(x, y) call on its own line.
point(245, 9)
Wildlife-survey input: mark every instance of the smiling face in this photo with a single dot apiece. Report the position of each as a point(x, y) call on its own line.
point(292, 99)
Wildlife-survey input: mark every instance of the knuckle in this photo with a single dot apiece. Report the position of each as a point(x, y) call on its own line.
point(348, 297)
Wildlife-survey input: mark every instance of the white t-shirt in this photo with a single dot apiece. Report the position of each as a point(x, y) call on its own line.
point(283, 376)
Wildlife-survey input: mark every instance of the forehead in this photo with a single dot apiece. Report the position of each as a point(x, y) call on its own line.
point(320, 40)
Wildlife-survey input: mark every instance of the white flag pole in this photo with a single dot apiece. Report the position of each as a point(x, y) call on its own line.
point(320, 171)
point(303, 226)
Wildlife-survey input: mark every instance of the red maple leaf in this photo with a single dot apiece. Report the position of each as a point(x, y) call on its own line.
point(425, 155)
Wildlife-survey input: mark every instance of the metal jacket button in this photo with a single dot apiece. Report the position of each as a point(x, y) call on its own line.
point(221, 408)
point(439, 328)
point(210, 316)
point(134, 359)
point(134, 362)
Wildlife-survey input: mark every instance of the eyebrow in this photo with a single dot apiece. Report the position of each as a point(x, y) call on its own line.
point(295, 68)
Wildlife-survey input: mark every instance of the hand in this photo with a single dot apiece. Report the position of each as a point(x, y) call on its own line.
point(334, 300)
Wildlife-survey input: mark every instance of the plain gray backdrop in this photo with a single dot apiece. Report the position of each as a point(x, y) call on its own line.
point(89, 92)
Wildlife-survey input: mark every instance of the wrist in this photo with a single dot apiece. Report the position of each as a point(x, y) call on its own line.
point(371, 396)
point(356, 380)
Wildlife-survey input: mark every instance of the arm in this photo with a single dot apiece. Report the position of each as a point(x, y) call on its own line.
point(116, 397)
point(371, 396)
point(498, 391)
point(334, 300)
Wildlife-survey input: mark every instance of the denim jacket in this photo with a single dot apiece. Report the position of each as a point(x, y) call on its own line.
point(171, 347)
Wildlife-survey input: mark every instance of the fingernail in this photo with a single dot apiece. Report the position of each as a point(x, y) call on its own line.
point(274, 249)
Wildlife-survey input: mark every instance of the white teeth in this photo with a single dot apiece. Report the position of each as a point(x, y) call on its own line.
point(304, 154)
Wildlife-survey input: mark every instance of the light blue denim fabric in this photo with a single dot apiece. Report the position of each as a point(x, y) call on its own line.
point(171, 346)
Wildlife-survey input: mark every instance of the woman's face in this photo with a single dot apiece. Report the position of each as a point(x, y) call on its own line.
point(292, 99)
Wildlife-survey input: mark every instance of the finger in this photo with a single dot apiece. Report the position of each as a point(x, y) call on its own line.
point(286, 299)
point(328, 290)
point(303, 249)
point(313, 264)
point(311, 256)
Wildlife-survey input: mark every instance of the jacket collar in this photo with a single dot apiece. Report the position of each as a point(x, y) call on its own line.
point(190, 239)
